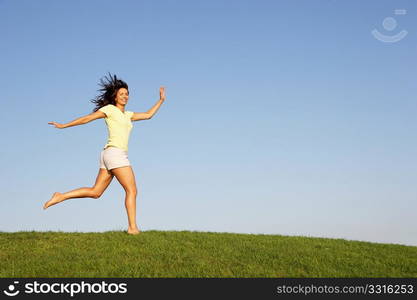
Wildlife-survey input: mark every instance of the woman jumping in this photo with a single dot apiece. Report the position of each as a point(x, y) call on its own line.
point(111, 105)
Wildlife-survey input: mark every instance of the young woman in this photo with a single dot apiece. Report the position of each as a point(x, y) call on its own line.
point(111, 105)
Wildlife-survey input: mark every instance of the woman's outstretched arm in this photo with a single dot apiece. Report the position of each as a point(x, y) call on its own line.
point(149, 114)
point(81, 120)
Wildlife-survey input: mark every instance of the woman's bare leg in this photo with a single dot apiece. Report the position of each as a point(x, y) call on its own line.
point(103, 180)
point(126, 177)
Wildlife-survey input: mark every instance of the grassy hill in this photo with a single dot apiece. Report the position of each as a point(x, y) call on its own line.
point(197, 254)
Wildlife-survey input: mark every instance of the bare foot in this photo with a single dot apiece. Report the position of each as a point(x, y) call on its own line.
point(54, 200)
point(133, 231)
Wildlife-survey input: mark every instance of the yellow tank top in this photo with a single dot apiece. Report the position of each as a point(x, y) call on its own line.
point(119, 125)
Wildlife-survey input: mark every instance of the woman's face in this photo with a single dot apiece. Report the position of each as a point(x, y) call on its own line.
point(122, 96)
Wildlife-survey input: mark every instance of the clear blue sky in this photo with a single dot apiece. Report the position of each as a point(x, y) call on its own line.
point(282, 117)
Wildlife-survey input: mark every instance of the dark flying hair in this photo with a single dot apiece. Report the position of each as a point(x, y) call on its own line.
point(108, 91)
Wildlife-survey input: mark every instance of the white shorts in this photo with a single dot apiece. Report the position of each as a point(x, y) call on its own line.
point(113, 157)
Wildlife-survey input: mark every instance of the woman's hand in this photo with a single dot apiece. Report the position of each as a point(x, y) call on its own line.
point(162, 93)
point(57, 125)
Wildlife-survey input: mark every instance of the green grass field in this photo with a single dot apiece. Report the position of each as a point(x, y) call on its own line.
point(197, 254)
